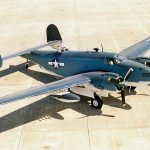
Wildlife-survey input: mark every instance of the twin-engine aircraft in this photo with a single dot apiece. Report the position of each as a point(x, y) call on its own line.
point(85, 71)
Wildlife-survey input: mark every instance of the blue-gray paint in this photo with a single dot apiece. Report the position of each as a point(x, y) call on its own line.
point(80, 67)
point(76, 62)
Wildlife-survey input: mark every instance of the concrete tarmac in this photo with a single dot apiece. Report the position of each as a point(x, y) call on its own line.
point(44, 123)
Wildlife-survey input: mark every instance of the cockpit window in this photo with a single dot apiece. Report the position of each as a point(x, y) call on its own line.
point(117, 59)
point(110, 61)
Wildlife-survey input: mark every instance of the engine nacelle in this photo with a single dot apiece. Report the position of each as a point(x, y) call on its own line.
point(102, 81)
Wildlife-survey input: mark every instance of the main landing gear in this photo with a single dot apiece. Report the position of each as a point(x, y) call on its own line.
point(97, 102)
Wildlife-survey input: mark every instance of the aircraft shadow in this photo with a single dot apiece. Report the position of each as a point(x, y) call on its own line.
point(115, 102)
point(13, 69)
point(133, 92)
point(31, 73)
point(49, 107)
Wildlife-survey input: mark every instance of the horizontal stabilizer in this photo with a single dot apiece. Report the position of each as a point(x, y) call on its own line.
point(27, 50)
point(53, 39)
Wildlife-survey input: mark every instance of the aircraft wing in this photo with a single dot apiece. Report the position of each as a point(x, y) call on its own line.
point(138, 49)
point(92, 78)
point(50, 87)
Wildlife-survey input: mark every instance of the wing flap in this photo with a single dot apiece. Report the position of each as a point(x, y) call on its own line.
point(54, 86)
point(138, 49)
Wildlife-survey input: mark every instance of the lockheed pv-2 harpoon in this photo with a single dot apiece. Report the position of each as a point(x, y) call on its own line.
point(85, 70)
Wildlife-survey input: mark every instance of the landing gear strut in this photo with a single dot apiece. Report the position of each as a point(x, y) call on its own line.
point(97, 102)
point(27, 64)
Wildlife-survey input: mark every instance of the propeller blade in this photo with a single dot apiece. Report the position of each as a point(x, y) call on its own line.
point(102, 47)
point(123, 96)
point(128, 74)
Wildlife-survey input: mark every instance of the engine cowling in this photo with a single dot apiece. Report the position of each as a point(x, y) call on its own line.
point(108, 81)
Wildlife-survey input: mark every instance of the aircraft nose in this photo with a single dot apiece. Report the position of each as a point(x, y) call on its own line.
point(145, 75)
point(141, 73)
point(146, 72)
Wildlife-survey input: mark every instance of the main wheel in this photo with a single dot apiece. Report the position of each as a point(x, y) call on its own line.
point(97, 103)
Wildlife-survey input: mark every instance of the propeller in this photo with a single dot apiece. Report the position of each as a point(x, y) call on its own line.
point(102, 47)
point(120, 84)
point(128, 74)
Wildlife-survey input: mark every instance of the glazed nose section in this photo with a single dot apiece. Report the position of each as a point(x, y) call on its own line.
point(0, 61)
point(146, 74)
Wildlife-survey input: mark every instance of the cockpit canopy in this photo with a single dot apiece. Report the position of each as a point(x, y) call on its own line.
point(117, 59)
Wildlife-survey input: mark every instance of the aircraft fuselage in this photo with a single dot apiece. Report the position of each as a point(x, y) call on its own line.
point(70, 63)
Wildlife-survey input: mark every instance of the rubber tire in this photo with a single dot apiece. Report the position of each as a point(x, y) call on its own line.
point(98, 101)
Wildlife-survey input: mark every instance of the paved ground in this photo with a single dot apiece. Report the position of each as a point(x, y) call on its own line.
point(42, 123)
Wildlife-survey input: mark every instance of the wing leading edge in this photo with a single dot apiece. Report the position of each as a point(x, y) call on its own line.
point(54, 86)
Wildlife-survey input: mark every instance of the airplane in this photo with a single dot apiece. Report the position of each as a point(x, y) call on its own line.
point(85, 72)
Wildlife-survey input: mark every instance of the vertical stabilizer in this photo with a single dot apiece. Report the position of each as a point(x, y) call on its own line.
point(53, 34)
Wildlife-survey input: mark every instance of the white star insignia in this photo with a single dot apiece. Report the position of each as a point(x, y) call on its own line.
point(56, 64)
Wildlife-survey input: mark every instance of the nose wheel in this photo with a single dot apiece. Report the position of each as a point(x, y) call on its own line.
point(97, 102)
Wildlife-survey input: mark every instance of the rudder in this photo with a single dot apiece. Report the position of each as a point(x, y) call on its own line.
point(53, 33)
